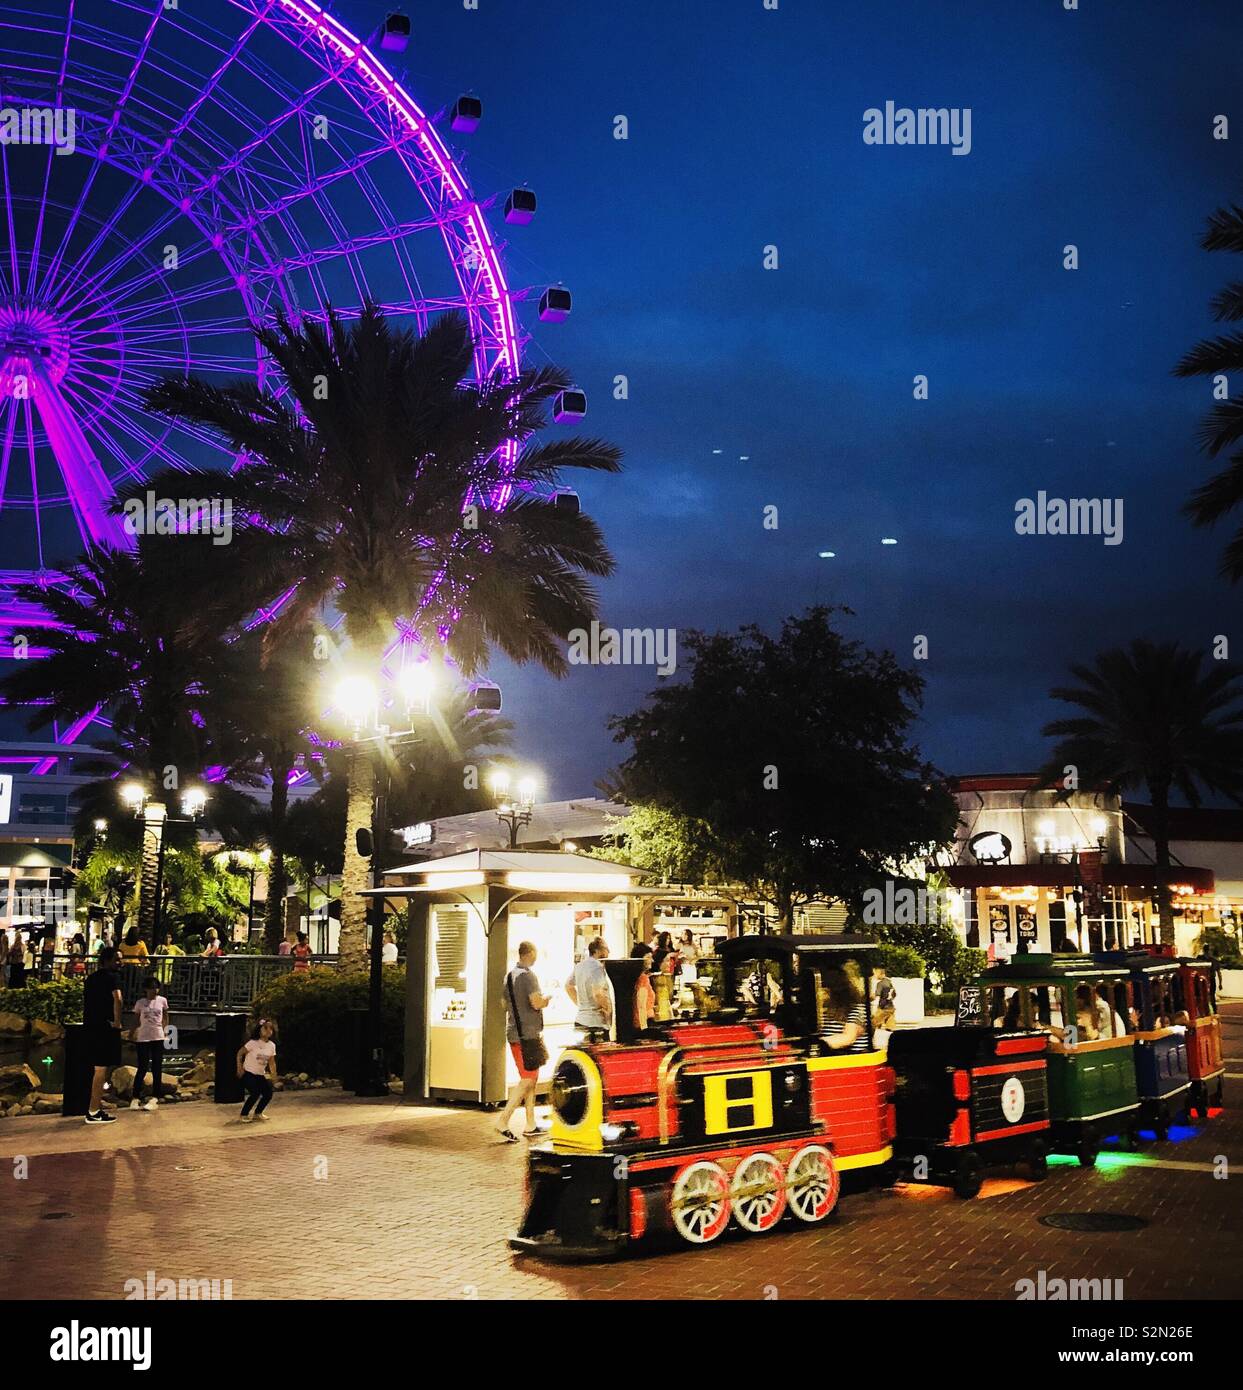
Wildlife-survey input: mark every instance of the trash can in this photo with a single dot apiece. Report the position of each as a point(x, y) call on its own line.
point(76, 1092)
point(356, 1064)
point(230, 1035)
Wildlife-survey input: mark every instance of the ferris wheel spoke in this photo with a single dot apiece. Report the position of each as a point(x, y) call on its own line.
point(8, 213)
point(129, 396)
point(140, 58)
point(28, 413)
point(6, 449)
point(37, 242)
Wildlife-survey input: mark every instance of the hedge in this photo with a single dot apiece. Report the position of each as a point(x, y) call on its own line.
point(56, 1001)
point(311, 1009)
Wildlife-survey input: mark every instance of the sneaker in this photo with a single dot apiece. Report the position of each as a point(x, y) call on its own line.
point(245, 1119)
point(98, 1117)
point(259, 1117)
point(507, 1134)
point(135, 1104)
point(152, 1104)
point(536, 1133)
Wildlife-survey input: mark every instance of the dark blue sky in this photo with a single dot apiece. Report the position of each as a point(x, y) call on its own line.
point(1092, 128)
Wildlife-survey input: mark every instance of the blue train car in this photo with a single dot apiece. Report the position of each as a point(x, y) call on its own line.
point(1158, 1023)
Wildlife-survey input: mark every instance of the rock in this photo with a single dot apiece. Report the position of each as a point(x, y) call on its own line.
point(123, 1082)
point(302, 1076)
point(396, 1087)
point(45, 1103)
point(17, 1082)
point(25, 1110)
point(49, 1032)
point(278, 1084)
point(198, 1073)
point(12, 1023)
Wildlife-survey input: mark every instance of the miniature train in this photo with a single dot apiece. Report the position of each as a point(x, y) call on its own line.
point(762, 1111)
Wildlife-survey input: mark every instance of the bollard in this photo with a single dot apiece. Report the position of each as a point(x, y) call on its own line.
point(230, 1035)
point(356, 1064)
point(76, 1092)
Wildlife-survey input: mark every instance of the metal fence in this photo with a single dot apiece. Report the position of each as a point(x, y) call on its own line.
point(190, 983)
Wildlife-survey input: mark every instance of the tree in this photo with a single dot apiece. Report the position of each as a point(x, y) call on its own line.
point(1154, 717)
point(262, 715)
point(1222, 428)
point(789, 755)
point(385, 481)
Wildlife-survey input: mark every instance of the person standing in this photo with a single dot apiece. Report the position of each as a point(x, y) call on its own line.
point(133, 948)
point(592, 994)
point(885, 993)
point(212, 947)
point(301, 954)
point(524, 1027)
point(151, 1010)
point(256, 1070)
point(4, 957)
point(17, 961)
point(287, 943)
point(644, 994)
point(77, 955)
point(166, 953)
point(101, 1027)
point(389, 952)
point(47, 955)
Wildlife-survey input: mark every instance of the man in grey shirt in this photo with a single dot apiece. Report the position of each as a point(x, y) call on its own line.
point(592, 993)
point(524, 1022)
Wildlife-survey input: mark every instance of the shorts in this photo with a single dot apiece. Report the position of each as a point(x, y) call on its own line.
point(103, 1045)
point(525, 1073)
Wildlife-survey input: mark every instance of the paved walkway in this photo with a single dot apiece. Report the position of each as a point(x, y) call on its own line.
point(343, 1198)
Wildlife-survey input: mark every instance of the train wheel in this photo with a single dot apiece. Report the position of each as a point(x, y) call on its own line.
point(1087, 1153)
point(1038, 1161)
point(758, 1193)
point(699, 1202)
point(968, 1177)
point(812, 1183)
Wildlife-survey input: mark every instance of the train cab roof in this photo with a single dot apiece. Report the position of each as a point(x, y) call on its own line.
point(1045, 969)
point(777, 944)
point(1139, 962)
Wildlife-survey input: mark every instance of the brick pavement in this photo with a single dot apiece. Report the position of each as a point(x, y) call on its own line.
point(342, 1198)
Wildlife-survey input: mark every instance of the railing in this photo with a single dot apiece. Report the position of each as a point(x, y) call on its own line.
point(189, 983)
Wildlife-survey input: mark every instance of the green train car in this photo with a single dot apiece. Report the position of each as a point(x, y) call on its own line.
point(1083, 1005)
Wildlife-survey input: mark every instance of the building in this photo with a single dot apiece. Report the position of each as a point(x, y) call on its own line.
point(1044, 871)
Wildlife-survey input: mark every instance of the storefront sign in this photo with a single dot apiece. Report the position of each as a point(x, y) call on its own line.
point(989, 847)
point(971, 1007)
point(422, 834)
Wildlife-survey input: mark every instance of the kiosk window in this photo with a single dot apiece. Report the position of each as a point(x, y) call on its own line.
point(1005, 1007)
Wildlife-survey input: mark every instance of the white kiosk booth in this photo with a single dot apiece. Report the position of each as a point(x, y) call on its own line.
point(468, 912)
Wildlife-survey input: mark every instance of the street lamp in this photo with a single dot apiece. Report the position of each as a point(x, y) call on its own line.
point(154, 816)
point(513, 811)
point(362, 702)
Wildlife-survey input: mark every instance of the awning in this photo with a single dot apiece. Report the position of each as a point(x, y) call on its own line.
point(1145, 876)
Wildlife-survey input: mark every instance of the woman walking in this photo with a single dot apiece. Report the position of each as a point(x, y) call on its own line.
point(17, 961)
point(256, 1070)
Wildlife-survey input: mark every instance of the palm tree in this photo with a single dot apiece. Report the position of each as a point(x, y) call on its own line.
point(125, 638)
point(1222, 428)
point(386, 483)
point(1154, 717)
point(261, 714)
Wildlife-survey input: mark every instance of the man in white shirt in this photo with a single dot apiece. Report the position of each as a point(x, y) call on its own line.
point(590, 989)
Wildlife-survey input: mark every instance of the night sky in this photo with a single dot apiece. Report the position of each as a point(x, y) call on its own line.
point(1091, 127)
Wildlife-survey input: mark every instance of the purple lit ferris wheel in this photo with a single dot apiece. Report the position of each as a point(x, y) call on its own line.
point(170, 175)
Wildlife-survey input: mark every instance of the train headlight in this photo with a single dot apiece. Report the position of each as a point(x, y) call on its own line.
point(612, 1134)
point(567, 1092)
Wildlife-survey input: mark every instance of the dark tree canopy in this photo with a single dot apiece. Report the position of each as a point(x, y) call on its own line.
point(795, 751)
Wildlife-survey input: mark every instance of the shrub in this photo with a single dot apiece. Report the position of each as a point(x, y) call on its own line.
point(1221, 946)
point(56, 1001)
point(968, 963)
point(937, 944)
point(312, 1013)
point(901, 962)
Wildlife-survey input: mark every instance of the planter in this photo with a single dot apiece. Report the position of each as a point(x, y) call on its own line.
point(909, 1000)
point(1231, 984)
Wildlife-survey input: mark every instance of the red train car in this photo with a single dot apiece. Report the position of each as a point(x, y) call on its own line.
point(745, 1118)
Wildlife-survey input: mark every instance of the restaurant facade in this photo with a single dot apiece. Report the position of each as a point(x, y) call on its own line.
point(1044, 871)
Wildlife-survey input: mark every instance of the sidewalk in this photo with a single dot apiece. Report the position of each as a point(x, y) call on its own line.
point(346, 1198)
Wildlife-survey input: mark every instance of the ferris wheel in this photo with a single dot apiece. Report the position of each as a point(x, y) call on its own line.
point(172, 173)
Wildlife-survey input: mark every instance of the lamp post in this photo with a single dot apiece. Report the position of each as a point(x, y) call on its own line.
point(513, 811)
point(154, 816)
point(359, 699)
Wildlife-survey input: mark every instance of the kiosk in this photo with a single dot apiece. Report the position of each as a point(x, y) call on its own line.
point(467, 914)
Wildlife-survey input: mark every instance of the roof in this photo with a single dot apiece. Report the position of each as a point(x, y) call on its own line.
point(1063, 876)
point(789, 942)
point(584, 818)
point(1191, 822)
point(517, 861)
point(1033, 967)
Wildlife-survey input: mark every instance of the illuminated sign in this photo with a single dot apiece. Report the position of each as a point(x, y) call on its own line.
point(6, 796)
point(989, 847)
point(422, 834)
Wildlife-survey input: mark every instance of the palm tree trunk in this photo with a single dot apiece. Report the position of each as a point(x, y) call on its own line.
point(355, 870)
point(1160, 793)
point(152, 837)
point(278, 879)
